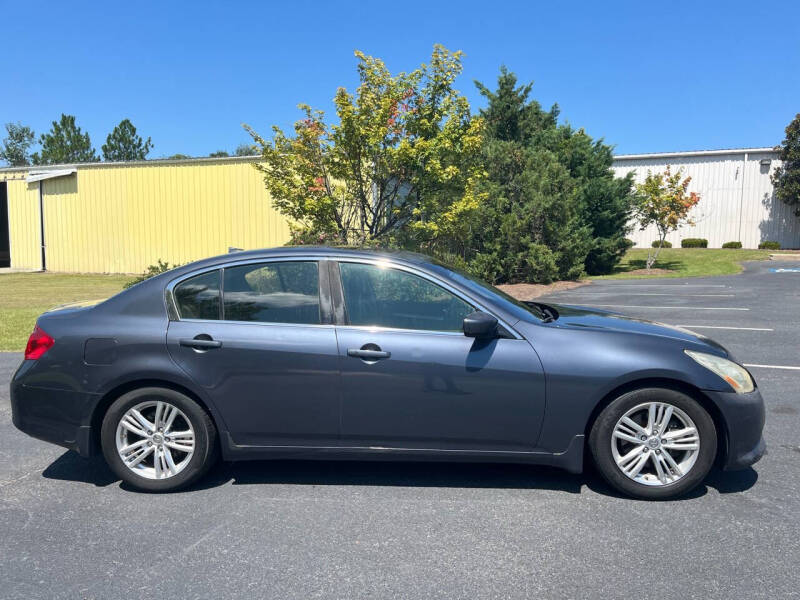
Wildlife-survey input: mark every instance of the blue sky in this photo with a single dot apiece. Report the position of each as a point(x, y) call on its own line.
point(647, 77)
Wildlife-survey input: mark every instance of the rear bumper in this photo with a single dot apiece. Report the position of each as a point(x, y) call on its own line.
point(57, 416)
point(744, 416)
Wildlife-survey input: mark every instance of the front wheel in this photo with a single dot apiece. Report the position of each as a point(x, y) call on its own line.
point(654, 443)
point(157, 439)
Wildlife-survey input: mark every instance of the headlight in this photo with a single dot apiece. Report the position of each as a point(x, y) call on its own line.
point(736, 376)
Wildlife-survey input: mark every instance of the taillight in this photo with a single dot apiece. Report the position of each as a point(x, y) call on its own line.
point(38, 344)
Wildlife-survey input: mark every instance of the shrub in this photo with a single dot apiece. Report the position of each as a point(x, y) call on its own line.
point(732, 245)
point(769, 246)
point(657, 243)
point(152, 271)
point(694, 243)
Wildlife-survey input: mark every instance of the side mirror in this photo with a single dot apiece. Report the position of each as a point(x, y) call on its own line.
point(480, 325)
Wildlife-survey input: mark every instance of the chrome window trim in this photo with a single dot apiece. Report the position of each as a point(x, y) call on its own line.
point(378, 261)
point(262, 323)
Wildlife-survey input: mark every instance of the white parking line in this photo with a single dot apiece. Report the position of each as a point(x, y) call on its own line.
point(660, 307)
point(773, 367)
point(650, 294)
point(720, 327)
point(676, 285)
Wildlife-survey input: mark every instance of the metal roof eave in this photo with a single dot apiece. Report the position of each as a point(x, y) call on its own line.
point(49, 174)
point(139, 163)
point(659, 155)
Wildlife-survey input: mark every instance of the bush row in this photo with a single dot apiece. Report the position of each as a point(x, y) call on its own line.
point(703, 243)
point(694, 243)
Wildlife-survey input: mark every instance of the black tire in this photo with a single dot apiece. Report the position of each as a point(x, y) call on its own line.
point(205, 439)
point(600, 440)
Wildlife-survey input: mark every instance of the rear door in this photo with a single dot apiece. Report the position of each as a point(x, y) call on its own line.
point(411, 379)
point(259, 338)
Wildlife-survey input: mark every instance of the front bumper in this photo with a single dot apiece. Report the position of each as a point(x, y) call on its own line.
point(744, 423)
point(61, 417)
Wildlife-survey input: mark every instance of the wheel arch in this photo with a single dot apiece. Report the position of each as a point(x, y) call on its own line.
point(102, 406)
point(671, 384)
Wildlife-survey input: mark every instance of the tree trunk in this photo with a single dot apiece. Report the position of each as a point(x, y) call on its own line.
point(653, 256)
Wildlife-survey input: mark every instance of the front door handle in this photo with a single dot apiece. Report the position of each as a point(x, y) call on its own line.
point(368, 354)
point(200, 343)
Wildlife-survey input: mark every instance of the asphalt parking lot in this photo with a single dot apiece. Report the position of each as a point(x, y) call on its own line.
point(381, 530)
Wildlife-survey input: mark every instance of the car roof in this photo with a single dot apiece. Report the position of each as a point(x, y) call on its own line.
point(323, 251)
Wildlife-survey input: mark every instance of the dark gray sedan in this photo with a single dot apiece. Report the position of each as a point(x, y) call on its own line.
point(342, 354)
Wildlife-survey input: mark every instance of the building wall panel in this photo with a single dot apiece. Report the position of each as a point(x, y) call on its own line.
point(737, 202)
point(122, 218)
point(23, 222)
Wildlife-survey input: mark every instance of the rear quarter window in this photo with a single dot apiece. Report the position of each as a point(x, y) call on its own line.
point(198, 297)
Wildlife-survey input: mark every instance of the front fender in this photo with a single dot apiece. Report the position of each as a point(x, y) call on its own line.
point(582, 366)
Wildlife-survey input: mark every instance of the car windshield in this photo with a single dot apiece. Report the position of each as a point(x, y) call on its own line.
point(482, 289)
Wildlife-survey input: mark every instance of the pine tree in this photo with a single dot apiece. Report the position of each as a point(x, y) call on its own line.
point(553, 198)
point(786, 178)
point(15, 147)
point(245, 150)
point(65, 143)
point(123, 144)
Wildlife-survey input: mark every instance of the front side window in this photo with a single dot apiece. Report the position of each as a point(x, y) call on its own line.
point(275, 292)
point(198, 296)
point(383, 297)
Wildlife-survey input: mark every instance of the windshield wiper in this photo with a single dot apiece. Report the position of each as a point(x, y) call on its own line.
point(549, 312)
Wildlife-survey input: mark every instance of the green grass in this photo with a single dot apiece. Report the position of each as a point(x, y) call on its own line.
point(686, 262)
point(24, 296)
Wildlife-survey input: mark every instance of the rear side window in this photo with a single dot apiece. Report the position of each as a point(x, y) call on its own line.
point(382, 297)
point(275, 292)
point(198, 297)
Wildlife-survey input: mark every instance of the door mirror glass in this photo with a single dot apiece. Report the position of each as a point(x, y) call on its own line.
point(480, 325)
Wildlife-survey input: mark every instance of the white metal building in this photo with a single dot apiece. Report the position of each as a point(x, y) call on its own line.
point(737, 202)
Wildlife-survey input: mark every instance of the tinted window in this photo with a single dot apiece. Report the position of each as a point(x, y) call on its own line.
point(520, 310)
point(384, 297)
point(198, 296)
point(276, 292)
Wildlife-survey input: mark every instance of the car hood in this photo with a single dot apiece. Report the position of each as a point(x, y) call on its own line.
point(574, 317)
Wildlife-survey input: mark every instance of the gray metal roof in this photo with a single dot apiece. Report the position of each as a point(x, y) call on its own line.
point(696, 153)
point(155, 162)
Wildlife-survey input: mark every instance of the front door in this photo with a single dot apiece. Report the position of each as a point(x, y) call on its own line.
point(252, 335)
point(411, 379)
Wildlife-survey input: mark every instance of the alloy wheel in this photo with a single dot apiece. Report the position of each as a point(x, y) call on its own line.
point(655, 443)
point(155, 439)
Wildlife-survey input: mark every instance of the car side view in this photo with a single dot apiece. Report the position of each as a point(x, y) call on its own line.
point(326, 353)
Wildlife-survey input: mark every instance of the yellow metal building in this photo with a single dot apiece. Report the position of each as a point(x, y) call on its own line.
point(122, 217)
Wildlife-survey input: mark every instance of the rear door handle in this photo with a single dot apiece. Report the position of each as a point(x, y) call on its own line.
point(368, 354)
point(200, 343)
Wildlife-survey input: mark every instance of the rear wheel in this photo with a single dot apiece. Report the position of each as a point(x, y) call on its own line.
point(157, 439)
point(654, 443)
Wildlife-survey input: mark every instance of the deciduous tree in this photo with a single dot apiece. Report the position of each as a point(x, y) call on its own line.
point(16, 145)
point(663, 200)
point(400, 164)
point(65, 143)
point(124, 144)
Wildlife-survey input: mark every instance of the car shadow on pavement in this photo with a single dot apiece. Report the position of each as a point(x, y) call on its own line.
point(72, 467)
